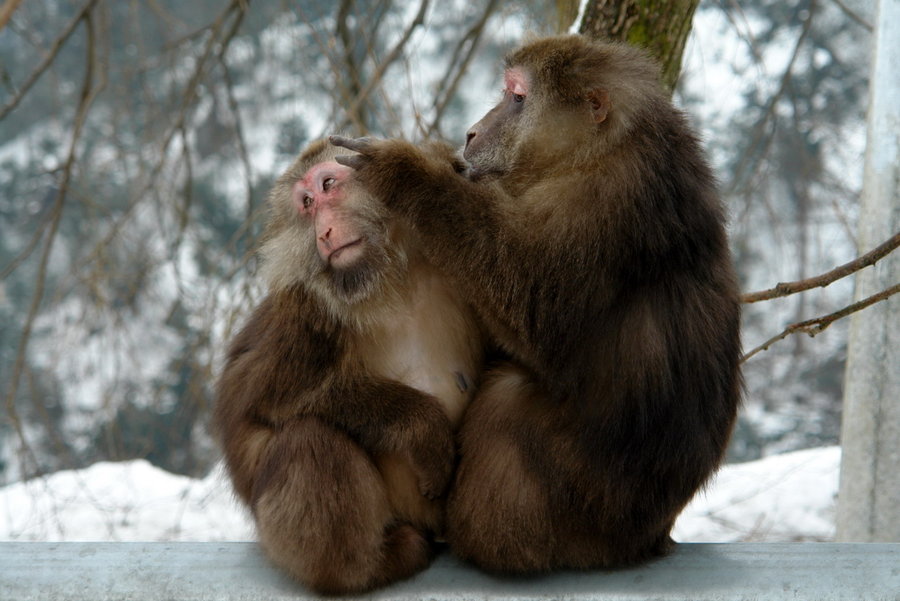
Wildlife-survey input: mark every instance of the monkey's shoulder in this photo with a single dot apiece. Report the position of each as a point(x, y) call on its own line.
point(288, 327)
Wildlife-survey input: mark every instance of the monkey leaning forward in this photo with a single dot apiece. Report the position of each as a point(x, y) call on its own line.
point(590, 239)
point(337, 403)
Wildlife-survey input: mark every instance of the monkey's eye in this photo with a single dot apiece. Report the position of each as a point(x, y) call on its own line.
point(518, 98)
point(307, 201)
point(327, 183)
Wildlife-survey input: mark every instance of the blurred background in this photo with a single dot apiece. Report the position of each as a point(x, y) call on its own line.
point(138, 140)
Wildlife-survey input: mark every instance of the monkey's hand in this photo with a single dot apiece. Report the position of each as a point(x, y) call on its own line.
point(368, 150)
point(364, 147)
point(425, 185)
point(430, 450)
point(399, 174)
point(386, 416)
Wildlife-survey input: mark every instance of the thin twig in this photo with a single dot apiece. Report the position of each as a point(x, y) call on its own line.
point(187, 101)
point(7, 10)
point(325, 46)
point(352, 68)
point(48, 60)
point(239, 133)
point(184, 211)
point(763, 122)
point(386, 62)
point(473, 36)
point(820, 281)
point(818, 324)
point(853, 16)
point(88, 94)
point(27, 249)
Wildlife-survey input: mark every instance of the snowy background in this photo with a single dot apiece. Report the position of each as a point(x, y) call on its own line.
point(152, 267)
point(782, 498)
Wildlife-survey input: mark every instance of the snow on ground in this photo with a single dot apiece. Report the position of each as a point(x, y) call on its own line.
point(129, 501)
point(781, 498)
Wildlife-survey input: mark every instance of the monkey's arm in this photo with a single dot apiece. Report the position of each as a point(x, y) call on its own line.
point(283, 367)
point(385, 416)
point(425, 186)
point(456, 216)
point(502, 270)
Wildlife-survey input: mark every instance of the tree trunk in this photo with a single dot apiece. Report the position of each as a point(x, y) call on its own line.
point(660, 26)
point(869, 497)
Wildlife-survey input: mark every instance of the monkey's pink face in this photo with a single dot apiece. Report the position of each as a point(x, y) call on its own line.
point(318, 196)
point(516, 84)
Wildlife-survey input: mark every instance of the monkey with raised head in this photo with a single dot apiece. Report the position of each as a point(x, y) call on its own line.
point(337, 403)
point(590, 239)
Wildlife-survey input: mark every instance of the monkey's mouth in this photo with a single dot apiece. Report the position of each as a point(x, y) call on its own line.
point(346, 254)
point(474, 173)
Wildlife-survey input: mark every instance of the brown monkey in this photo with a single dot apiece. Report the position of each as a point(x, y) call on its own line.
point(589, 238)
point(338, 400)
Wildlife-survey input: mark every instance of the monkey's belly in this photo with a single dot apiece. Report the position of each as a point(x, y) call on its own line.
point(434, 362)
point(430, 342)
point(403, 494)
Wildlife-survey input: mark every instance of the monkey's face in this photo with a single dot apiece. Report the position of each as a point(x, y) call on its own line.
point(323, 198)
point(326, 232)
point(491, 143)
point(528, 129)
point(565, 102)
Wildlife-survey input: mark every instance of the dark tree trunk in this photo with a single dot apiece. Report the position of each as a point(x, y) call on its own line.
point(660, 26)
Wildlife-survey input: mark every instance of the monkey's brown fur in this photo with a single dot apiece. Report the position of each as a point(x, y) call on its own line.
point(590, 240)
point(337, 403)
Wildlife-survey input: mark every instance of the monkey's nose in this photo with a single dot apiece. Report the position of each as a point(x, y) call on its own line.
point(469, 135)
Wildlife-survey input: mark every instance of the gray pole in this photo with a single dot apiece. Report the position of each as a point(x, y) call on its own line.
point(869, 497)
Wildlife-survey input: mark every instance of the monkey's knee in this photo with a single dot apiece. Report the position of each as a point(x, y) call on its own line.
point(325, 518)
point(400, 552)
point(406, 552)
point(498, 511)
point(322, 509)
point(498, 515)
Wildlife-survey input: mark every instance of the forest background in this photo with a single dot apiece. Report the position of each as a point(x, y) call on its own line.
point(138, 140)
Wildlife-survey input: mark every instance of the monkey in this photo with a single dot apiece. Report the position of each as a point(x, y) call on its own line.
point(589, 236)
point(337, 402)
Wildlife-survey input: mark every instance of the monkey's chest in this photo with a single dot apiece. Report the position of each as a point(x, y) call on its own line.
point(431, 345)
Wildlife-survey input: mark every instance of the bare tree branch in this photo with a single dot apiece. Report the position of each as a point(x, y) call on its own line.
point(352, 68)
point(820, 281)
point(853, 16)
point(6, 11)
point(818, 324)
point(184, 210)
point(88, 93)
point(28, 249)
point(745, 33)
point(165, 15)
point(239, 133)
point(395, 53)
point(326, 47)
point(48, 60)
point(188, 99)
point(459, 66)
point(759, 133)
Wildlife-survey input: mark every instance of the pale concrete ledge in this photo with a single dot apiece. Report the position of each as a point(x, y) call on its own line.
point(226, 571)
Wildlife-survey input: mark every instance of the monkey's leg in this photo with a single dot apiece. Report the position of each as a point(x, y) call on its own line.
point(323, 514)
point(529, 498)
point(498, 512)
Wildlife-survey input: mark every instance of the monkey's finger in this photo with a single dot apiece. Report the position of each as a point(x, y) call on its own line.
point(433, 466)
point(361, 145)
point(354, 161)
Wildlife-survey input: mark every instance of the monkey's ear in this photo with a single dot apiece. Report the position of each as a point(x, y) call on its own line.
point(599, 100)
